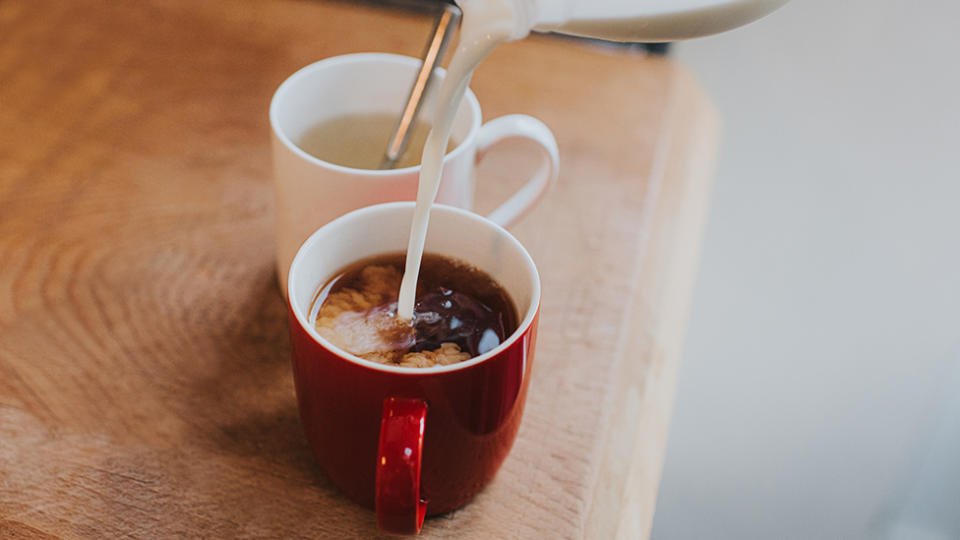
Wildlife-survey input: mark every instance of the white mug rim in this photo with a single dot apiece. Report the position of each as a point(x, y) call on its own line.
point(369, 57)
point(530, 312)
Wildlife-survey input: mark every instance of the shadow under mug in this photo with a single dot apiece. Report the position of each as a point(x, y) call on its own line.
point(411, 441)
point(310, 192)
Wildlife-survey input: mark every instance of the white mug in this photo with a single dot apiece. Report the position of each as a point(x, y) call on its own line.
point(310, 192)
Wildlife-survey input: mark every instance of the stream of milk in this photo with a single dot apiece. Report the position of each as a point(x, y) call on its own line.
point(486, 24)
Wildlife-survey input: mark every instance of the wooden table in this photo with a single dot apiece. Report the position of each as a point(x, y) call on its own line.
point(145, 387)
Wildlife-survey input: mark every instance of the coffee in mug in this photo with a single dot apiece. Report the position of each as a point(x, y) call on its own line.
point(460, 313)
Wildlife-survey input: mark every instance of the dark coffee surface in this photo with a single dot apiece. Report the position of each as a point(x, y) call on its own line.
point(456, 304)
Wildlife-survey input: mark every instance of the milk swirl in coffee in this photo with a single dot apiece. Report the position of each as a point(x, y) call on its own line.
point(461, 312)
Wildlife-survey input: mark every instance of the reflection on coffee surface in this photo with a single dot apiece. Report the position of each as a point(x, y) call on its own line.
point(460, 312)
point(360, 140)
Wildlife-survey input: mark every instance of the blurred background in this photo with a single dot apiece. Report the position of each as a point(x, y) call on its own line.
point(818, 396)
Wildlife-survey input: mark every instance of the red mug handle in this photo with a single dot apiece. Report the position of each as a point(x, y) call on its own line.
point(400, 509)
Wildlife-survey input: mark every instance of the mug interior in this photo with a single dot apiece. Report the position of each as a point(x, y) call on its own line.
point(357, 84)
point(384, 228)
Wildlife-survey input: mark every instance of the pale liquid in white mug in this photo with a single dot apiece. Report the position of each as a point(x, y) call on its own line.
point(358, 140)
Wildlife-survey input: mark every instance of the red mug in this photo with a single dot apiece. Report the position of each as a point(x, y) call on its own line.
point(411, 442)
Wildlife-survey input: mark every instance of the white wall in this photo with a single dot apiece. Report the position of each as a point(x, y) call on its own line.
point(824, 343)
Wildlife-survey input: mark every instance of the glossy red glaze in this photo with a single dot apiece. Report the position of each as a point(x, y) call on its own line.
point(399, 506)
point(474, 414)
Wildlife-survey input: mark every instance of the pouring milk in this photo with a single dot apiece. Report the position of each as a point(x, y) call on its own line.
point(488, 23)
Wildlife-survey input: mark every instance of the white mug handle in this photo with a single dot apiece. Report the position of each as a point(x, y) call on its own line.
point(521, 125)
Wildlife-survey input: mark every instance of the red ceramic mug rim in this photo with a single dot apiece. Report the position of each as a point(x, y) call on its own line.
point(302, 315)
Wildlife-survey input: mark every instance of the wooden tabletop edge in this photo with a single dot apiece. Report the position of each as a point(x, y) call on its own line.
point(626, 484)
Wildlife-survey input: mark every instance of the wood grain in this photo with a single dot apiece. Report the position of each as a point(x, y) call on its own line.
point(145, 387)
